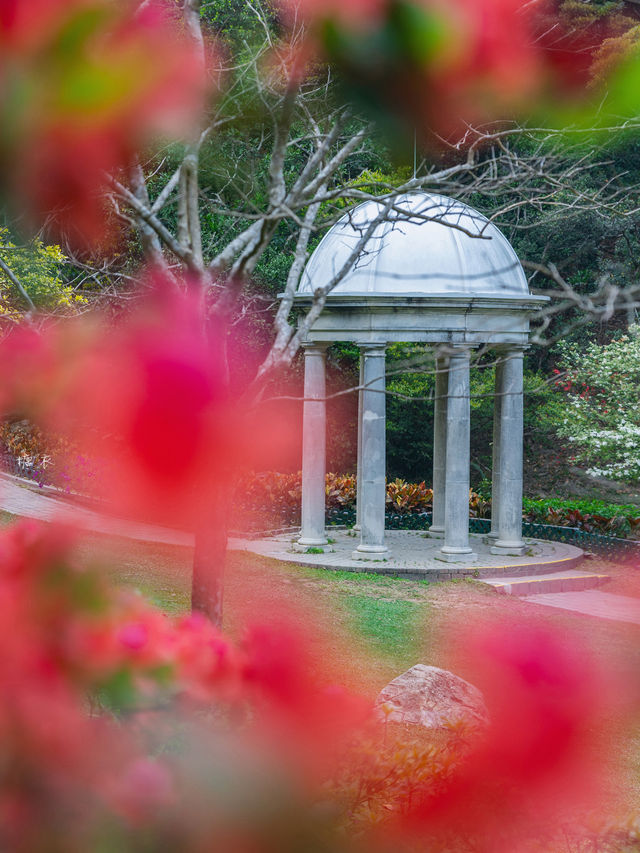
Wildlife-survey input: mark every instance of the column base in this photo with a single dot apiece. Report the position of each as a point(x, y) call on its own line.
point(370, 552)
point(449, 554)
point(305, 542)
point(435, 532)
point(509, 549)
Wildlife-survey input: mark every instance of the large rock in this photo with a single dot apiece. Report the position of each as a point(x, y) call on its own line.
point(432, 697)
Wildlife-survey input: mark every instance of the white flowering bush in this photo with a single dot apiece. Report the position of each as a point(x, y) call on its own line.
point(602, 413)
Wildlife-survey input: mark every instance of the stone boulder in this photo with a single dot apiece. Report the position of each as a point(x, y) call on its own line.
point(432, 697)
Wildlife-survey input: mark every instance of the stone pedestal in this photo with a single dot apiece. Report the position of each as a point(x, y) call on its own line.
point(373, 456)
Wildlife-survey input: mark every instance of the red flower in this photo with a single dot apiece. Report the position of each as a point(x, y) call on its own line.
point(538, 761)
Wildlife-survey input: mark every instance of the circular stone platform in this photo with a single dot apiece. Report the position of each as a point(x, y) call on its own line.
point(412, 555)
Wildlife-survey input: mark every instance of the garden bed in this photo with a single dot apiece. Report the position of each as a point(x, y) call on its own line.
point(273, 500)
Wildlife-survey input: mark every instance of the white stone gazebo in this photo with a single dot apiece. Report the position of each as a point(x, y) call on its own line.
point(436, 272)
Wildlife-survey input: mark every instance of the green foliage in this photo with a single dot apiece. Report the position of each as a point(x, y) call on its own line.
point(577, 13)
point(586, 241)
point(405, 497)
point(601, 415)
point(375, 181)
point(235, 23)
point(593, 507)
point(38, 268)
point(410, 414)
point(590, 516)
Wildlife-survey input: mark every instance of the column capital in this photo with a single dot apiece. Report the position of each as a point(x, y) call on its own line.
point(373, 349)
point(515, 349)
point(315, 346)
point(462, 351)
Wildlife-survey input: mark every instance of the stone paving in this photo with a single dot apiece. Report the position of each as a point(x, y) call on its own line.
point(413, 555)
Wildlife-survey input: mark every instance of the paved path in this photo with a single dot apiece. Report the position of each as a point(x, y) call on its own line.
point(592, 602)
point(30, 502)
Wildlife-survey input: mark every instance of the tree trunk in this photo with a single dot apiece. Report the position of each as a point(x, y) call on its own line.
point(209, 557)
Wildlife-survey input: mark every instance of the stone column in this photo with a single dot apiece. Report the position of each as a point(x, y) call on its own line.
point(439, 448)
point(495, 463)
point(373, 456)
point(509, 539)
point(357, 527)
point(314, 442)
point(456, 548)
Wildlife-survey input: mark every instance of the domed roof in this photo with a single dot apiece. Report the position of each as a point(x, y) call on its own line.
point(427, 245)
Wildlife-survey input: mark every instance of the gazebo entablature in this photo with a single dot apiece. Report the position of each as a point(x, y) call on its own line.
point(437, 319)
point(480, 298)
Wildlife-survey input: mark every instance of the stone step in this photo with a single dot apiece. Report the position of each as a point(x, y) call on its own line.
point(568, 581)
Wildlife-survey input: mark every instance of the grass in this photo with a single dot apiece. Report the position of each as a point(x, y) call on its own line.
point(357, 577)
point(390, 626)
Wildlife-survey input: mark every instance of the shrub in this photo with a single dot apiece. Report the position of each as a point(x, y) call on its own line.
point(590, 516)
point(46, 459)
point(37, 267)
point(602, 417)
point(270, 497)
point(403, 497)
point(279, 495)
point(341, 490)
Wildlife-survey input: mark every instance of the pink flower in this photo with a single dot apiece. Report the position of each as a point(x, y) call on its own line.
point(133, 636)
point(82, 88)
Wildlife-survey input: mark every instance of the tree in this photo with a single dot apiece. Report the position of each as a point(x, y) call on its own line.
point(215, 216)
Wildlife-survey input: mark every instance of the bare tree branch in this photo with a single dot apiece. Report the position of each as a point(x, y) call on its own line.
point(149, 239)
point(150, 219)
